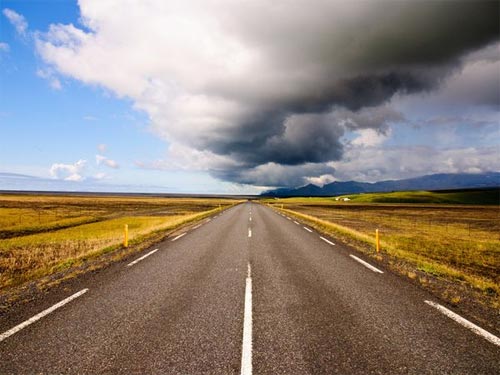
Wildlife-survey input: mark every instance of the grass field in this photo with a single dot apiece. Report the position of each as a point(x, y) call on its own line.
point(457, 243)
point(471, 196)
point(40, 235)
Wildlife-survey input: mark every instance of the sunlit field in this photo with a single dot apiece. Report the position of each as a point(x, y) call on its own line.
point(43, 234)
point(460, 243)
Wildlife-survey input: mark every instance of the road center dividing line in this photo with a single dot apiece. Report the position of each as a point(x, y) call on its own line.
point(250, 218)
point(467, 324)
point(249, 232)
point(246, 351)
point(179, 236)
point(141, 258)
point(327, 241)
point(306, 228)
point(39, 316)
point(367, 265)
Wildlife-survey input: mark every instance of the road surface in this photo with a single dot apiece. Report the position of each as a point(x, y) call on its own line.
point(248, 291)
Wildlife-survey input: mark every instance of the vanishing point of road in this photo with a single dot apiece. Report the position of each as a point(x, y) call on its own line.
point(246, 292)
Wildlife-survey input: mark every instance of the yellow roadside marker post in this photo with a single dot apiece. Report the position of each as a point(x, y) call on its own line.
point(377, 240)
point(125, 239)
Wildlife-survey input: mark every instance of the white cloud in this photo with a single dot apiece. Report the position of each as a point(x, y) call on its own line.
point(370, 137)
point(50, 76)
point(68, 172)
point(321, 180)
point(101, 147)
point(373, 164)
point(100, 159)
point(17, 20)
point(182, 158)
point(100, 176)
point(4, 47)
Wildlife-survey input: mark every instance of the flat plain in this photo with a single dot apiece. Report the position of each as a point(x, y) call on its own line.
point(455, 243)
point(43, 234)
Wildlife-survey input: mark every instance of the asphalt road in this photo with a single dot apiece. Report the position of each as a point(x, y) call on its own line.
point(246, 292)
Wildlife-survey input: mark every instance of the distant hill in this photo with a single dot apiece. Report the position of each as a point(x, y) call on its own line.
point(476, 196)
point(442, 181)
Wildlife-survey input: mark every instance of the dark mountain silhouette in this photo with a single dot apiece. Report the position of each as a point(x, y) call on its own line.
point(442, 181)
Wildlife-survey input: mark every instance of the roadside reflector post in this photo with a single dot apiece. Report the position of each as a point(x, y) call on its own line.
point(377, 240)
point(125, 238)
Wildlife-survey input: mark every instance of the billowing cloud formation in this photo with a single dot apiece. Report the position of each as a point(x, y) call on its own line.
point(268, 102)
point(68, 172)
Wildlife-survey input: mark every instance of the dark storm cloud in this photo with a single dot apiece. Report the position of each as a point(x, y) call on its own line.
point(378, 50)
point(275, 85)
point(272, 174)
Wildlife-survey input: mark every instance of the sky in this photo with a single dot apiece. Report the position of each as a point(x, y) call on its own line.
point(224, 96)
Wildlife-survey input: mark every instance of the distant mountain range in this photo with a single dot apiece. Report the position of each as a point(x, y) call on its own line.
point(442, 181)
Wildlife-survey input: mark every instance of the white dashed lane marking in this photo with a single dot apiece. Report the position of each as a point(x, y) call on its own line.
point(464, 322)
point(39, 316)
point(141, 258)
point(367, 265)
point(179, 236)
point(326, 240)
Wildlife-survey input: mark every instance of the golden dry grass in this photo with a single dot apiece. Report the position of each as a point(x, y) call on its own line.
point(43, 234)
point(458, 243)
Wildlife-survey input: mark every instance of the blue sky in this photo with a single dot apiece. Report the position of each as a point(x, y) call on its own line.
point(42, 126)
point(95, 97)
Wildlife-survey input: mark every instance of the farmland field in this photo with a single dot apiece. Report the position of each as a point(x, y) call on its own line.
point(42, 234)
point(459, 243)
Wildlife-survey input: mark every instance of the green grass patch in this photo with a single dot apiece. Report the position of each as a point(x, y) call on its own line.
point(475, 197)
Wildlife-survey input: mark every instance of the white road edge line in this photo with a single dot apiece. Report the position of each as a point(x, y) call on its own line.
point(141, 258)
point(327, 241)
point(467, 324)
point(296, 222)
point(39, 316)
point(246, 351)
point(367, 265)
point(249, 232)
point(306, 228)
point(179, 236)
point(196, 227)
